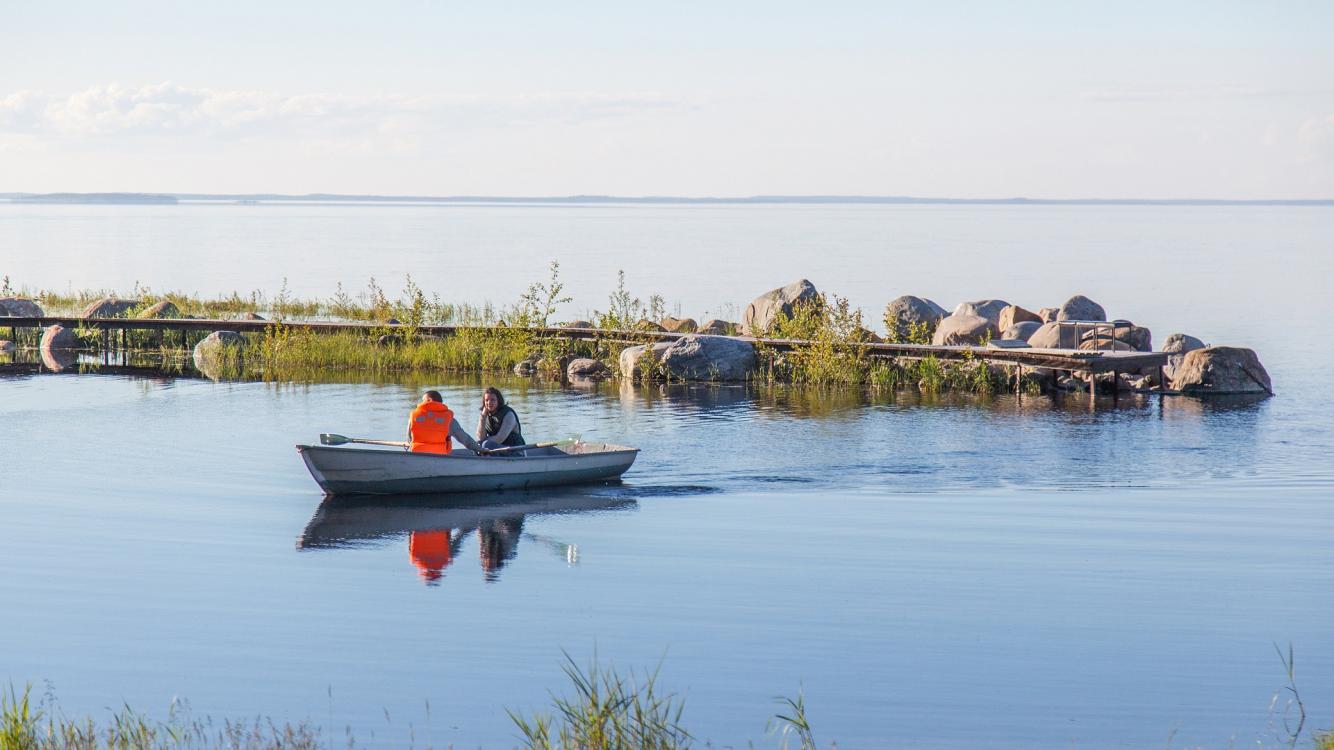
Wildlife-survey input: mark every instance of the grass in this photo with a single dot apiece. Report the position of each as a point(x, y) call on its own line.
point(495, 340)
point(603, 709)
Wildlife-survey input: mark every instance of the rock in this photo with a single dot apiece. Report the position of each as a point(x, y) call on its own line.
point(58, 338)
point(961, 329)
point(250, 316)
point(19, 307)
point(1052, 336)
point(393, 322)
point(1021, 331)
point(1180, 343)
point(579, 324)
point(763, 311)
point(6, 346)
point(628, 363)
point(1080, 307)
point(984, 308)
point(526, 368)
point(587, 369)
point(648, 325)
point(1218, 370)
point(697, 357)
point(217, 349)
point(716, 327)
point(163, 309)
point(389, 339)
point(679, 325)
point(109, 307)
point(904, 313)
point(1048, 314)
point(1015, 314)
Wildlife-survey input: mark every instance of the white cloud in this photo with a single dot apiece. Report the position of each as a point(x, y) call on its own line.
point(165, 108)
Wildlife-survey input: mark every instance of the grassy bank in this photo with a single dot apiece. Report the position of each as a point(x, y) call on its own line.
point(496, 339)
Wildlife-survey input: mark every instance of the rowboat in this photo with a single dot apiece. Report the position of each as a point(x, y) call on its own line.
point(373, 471)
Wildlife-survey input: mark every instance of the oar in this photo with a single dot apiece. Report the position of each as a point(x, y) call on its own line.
point(551, 444)
point(329, 438)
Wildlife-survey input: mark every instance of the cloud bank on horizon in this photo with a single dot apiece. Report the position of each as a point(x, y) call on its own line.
point(871, 99)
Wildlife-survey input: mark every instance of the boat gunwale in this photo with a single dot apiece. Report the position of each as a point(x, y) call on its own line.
point(466, 454)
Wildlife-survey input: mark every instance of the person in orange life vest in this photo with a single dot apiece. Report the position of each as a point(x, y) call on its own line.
point(432, 424)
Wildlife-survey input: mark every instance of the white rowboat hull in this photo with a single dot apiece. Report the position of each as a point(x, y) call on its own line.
point(359, 471)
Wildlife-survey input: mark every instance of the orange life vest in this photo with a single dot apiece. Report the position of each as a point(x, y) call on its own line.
point(428, 428)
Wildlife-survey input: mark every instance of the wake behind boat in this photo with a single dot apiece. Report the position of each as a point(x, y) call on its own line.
point(347, 471)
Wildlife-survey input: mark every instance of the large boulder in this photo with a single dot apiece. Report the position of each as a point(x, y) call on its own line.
point(906, 312)
point(218, 349)
point(256, 316)
point(1015, 314)
point(962, 329)
point(19, 307)
point(109, 307)
point(628, 363)
point(1053, 336)
point(58, 338)
point(763, 312)
point(1048, 314)
point(1219, 370)
point(697, 357)
point(1105, 345)
point(6, 346)
point(679, 325)
point(579, 324)
point(1080, 307)
point(163, 309)
point(1021, 331)
point(984, 308)
point(587, 370)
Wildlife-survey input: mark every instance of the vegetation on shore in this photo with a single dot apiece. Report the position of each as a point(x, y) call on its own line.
point(497, 339)
point(603, 710)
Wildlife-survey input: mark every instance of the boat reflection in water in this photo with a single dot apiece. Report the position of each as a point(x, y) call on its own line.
point(437, 526)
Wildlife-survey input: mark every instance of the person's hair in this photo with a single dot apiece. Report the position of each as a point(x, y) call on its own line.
point(434, 396)
point(494, 391)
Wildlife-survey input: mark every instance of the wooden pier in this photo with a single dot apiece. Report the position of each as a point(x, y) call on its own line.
point(1068, 360)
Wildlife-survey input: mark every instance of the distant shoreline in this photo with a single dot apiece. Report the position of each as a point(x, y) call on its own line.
point(256, 198)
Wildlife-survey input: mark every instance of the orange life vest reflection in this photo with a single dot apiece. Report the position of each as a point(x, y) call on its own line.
point(431, 551)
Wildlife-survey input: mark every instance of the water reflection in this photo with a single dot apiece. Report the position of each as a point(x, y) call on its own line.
point(438, 526)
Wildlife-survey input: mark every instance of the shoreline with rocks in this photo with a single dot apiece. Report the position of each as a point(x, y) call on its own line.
point(785, 334)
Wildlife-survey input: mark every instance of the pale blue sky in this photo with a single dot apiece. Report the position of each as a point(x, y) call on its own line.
point(1166, 100)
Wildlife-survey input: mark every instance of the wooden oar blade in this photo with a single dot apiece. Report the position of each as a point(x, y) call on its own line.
point(329, 438)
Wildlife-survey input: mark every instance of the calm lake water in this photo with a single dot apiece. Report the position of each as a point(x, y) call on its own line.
point(930, 572)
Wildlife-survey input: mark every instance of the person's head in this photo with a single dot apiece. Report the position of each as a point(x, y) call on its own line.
point(492, 400)
point(432, 396)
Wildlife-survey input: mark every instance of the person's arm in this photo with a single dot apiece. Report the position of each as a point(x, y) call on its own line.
point(507, 426)
point(481, 426)
point(457, 432)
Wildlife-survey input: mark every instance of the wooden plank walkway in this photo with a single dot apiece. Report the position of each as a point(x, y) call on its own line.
point(1056, 359)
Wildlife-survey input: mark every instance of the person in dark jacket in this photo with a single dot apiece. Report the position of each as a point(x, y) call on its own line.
point(498, 426)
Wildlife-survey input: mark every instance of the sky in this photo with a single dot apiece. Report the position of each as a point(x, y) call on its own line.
point(1220, 99)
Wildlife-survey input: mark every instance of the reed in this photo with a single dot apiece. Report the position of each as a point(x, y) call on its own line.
point(606, 711)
